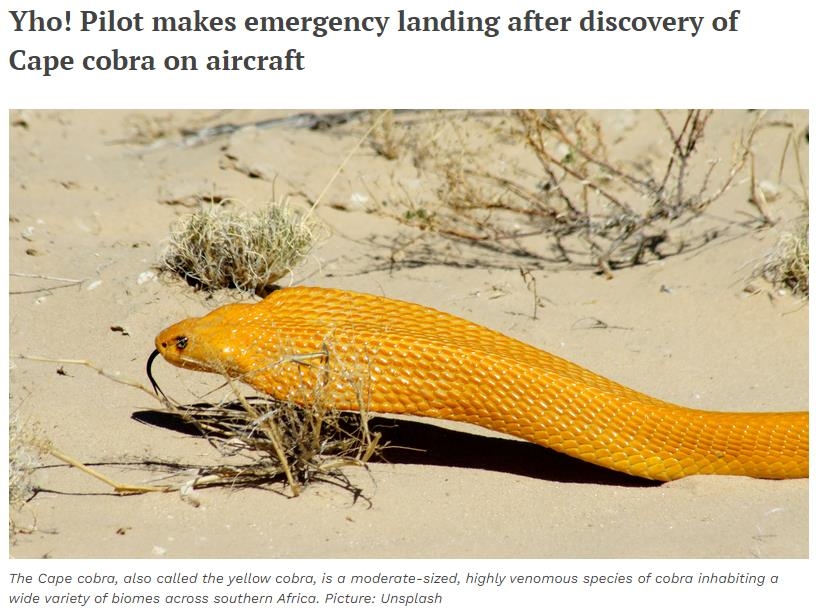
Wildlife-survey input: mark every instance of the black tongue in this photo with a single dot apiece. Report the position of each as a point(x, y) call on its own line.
point(153, 382)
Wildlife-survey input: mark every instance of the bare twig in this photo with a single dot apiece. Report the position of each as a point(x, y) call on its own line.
point(66, 282)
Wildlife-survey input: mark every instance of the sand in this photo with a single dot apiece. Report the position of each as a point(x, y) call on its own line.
point(92, 203)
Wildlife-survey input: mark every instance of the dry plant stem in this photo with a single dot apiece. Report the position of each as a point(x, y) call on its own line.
point(28, 275)
point(120, 488)
point(684, 144)
point(96, 368)
point(343, 164)
point(530, 281)
point(791, 142)
point(757, 197)
point(274, 435)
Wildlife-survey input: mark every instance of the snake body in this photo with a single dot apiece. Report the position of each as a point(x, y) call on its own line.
point(396, 357)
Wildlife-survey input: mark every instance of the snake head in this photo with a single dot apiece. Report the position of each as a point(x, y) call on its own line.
point(205, 344)
point(172, 343)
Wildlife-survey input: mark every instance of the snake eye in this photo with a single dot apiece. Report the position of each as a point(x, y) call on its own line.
point(181, 342)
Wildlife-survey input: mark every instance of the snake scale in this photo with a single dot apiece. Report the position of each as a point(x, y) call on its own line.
point(402, 358)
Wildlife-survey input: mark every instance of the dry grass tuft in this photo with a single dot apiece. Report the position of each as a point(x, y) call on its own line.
point(220, 247)
point(25, 451)
point(304, 443)
point(279, 439)
point(788, 263)
point(26, 448)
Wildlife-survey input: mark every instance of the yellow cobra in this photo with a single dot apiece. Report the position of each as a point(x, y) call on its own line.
point(404, 358)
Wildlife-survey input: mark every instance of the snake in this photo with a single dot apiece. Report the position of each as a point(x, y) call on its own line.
point(359, 351)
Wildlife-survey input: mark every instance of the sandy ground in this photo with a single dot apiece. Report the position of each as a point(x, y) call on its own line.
point(90, 203)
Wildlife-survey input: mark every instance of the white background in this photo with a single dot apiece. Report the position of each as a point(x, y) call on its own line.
point(767, 63)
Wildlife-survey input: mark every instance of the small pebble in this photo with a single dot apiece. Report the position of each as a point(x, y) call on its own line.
point(147, 275)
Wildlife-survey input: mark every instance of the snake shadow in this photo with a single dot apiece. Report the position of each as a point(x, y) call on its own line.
point(415, 442)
